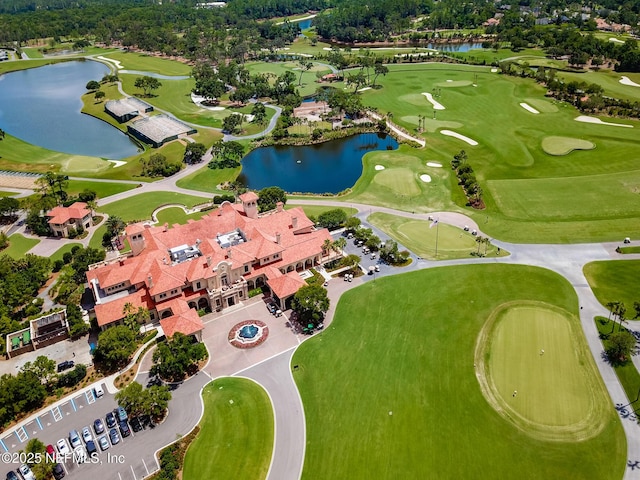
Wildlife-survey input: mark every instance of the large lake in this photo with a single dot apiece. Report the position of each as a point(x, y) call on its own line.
point(42, 106)
point(328, 167)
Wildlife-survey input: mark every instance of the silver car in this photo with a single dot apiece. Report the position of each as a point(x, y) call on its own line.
point(103, 442)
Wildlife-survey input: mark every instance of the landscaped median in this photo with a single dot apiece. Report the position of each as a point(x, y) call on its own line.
point(392, 386)
point(236, 433)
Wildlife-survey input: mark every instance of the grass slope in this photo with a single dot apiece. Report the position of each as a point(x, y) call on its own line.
point(389, 389)
point(19, 245)
point(615, 281)
point(140, 207)
point(236, 433)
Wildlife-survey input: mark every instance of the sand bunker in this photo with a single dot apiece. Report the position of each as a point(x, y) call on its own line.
point(436, 105)
point(364, 89)
point(434, 164)
point(379, 167)
point(494, 70)
point(529, 108)
point(111, 60)
point(425, 178)
point(117, 163)
point(197, 99)
point(627, 81)
point(616, 40)
point(449, 133)
point(585, 119)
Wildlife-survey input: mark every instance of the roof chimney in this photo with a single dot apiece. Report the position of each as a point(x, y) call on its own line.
point(228, 253)
point(278, 238)
point(121, 261)
point(150, 281)
point(165, 227)
point(208, 260)
point(294, 222)
point(279, 206)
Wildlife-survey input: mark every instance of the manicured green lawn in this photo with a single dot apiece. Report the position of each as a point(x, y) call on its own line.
point(207, 179)
point(317, 210)
point(96, 239)
point(148, 63)
point(309, 83)
point(615, 281)
point(19, 245)
point(608, 80)
point(236, 433)
point(62, 250)
point(419, 237)
point(175, 215)
point(530, 196)
point(390, 386)
point(142, 206)
point(628, 250)
point(103, 189)
point(7, 194)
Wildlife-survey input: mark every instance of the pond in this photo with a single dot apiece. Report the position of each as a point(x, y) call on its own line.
point(42, 107)
point(455, 47)
point(328, 167)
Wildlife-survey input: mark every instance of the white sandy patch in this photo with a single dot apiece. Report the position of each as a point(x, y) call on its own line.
point(111, 60)
point(425, 178)
point(247, 117)
point(494, 70)
point(328, 49)
point(450, 133)
point(436, 105)
point(379, 167)
point(627, 81)
point(117, 163)
point(585, 119)
point(364, 89)
point(434, 164)
point(197, 99)
point(616, 40)
point(529, 108)
point(449, 80)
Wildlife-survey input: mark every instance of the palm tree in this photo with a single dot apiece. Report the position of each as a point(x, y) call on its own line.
point(326, 246)
point(115, 225)
point(479, 240)
point(340, 243)
point(92, 204)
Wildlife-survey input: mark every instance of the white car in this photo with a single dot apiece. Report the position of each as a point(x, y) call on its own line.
point(86, 434)
point(98, 392)
point(79, 454)
point(63, 447)
point(103, 442)
point(26, 472)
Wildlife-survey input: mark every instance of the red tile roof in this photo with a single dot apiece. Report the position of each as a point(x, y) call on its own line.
point(286, 284)
point(113, 311)
point(249, 197)
point(187, 323)
point(60, 215)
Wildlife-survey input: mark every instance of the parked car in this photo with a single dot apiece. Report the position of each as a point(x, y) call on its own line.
point(50, 451)
point(125, 431)
point(97, 391)
point(66, 365)
point(86, 434)
point(80, 454)
point(377, 267)
point(74, 439)
point(114, 437)
point(136, 425)
point(98, 426)
point(121, 413)
point(103, 442)
point(272, 308)
point(26, 472)
point(627, 240)
point(91, 447)
point(63, 447)
point(11, 475)
point(111, 420)
point(58, 471)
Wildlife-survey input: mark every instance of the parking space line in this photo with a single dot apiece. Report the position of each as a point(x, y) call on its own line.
point(56, 413)
point(21, 433)
point(145, 465)
point(119, 476)
point(34, 432)
point(3, 445)
point(39, 423)
point(73, 404)
point(90, 396)
point(133, 472)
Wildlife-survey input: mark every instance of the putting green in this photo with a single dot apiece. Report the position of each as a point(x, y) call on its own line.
point(565, 145)
point(415, 99)
point(400, 180)
point(543, 106)
point(533, 373)
point(455, 83)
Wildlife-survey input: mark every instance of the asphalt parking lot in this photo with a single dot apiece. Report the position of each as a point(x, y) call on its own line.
point(131, 459)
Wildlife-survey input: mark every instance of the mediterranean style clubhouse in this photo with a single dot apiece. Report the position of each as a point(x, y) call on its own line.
point(211, 263)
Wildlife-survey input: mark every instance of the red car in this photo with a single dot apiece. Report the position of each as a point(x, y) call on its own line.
point(51, 452)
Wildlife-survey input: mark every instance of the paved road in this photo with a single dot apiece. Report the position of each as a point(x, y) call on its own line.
point(271, 126)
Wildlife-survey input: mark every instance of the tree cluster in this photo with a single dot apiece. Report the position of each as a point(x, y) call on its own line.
point(70, 285)
point(115, 347)
point(467, 179)
point(310, 304)
point(226, 154)
point(177, 357)
point(390, 254)
point(269, 197)
point(158, 166)
point(194, 152)
point(147, 84)
point(152, 401)
point(332, 219)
